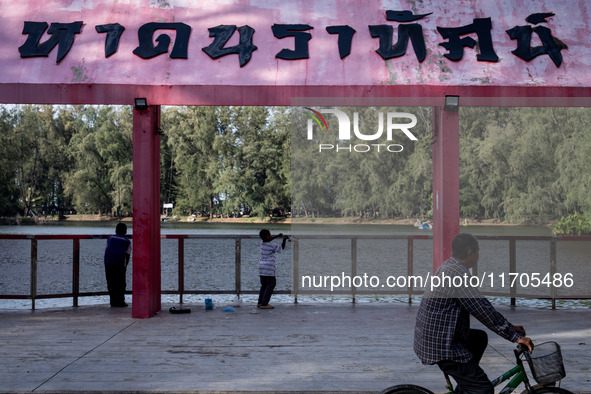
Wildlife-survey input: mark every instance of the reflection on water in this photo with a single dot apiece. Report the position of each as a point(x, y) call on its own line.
point(209, 263)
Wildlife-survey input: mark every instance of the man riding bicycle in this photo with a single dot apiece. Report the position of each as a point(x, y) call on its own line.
point(442, 333)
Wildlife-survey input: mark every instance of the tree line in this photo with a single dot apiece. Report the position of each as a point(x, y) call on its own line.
point(520, 165)
point(516, 164)
point(214, 160)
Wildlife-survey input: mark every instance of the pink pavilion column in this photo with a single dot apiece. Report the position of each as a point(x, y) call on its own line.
point(446, 182)
point(146, 212)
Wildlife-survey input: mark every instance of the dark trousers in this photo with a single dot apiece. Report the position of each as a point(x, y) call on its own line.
point(267, 286)
point(470, 378)
point(116, 283)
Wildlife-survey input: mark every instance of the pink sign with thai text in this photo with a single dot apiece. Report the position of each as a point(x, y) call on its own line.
point(305, 43)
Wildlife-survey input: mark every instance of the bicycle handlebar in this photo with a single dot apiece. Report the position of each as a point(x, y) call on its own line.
point(519, 350)
point(522, 349)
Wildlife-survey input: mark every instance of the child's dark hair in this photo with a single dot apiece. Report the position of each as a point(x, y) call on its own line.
point(121, 229)
point(264, 233)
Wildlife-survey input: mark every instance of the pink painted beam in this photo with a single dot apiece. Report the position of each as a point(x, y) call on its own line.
point(304, 95)
point(446, 182)
point(146, 212)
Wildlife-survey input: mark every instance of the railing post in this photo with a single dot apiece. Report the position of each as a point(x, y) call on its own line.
point(181, 268)
point(33, 271)
point(295, 255)
point(553, 270)
point(238, 267)
point(353, 266)
point(76, 271)
point(512, 268)
point(410, 265)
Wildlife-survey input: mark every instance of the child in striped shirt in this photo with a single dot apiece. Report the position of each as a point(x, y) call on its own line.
point(267, 266)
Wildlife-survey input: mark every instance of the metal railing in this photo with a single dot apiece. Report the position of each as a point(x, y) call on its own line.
point(552, 266)
point(409, 291)
point(296, 290)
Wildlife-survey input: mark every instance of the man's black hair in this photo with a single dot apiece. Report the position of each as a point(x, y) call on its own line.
point(462, 244)
point(121, 229)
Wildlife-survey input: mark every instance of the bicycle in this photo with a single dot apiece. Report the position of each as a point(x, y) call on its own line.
point(546, 367)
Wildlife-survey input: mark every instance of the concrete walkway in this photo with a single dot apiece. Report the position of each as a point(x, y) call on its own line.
point(294, 348)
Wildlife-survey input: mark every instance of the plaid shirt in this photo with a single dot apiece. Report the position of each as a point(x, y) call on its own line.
point(443, 319)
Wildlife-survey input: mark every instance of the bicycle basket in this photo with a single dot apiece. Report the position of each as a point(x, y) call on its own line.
point(545, 363)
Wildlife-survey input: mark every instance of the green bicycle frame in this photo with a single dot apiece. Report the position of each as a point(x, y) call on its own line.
point(517, 373)
point(519, 376)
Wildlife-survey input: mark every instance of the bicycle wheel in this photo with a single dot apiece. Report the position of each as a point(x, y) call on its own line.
point(406, 389)
point(547, 390)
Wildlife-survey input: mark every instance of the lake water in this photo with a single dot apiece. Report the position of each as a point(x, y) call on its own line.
point(209, 263)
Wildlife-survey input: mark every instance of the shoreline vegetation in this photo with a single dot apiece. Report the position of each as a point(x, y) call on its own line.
point(516, 169)
point(252, 220)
